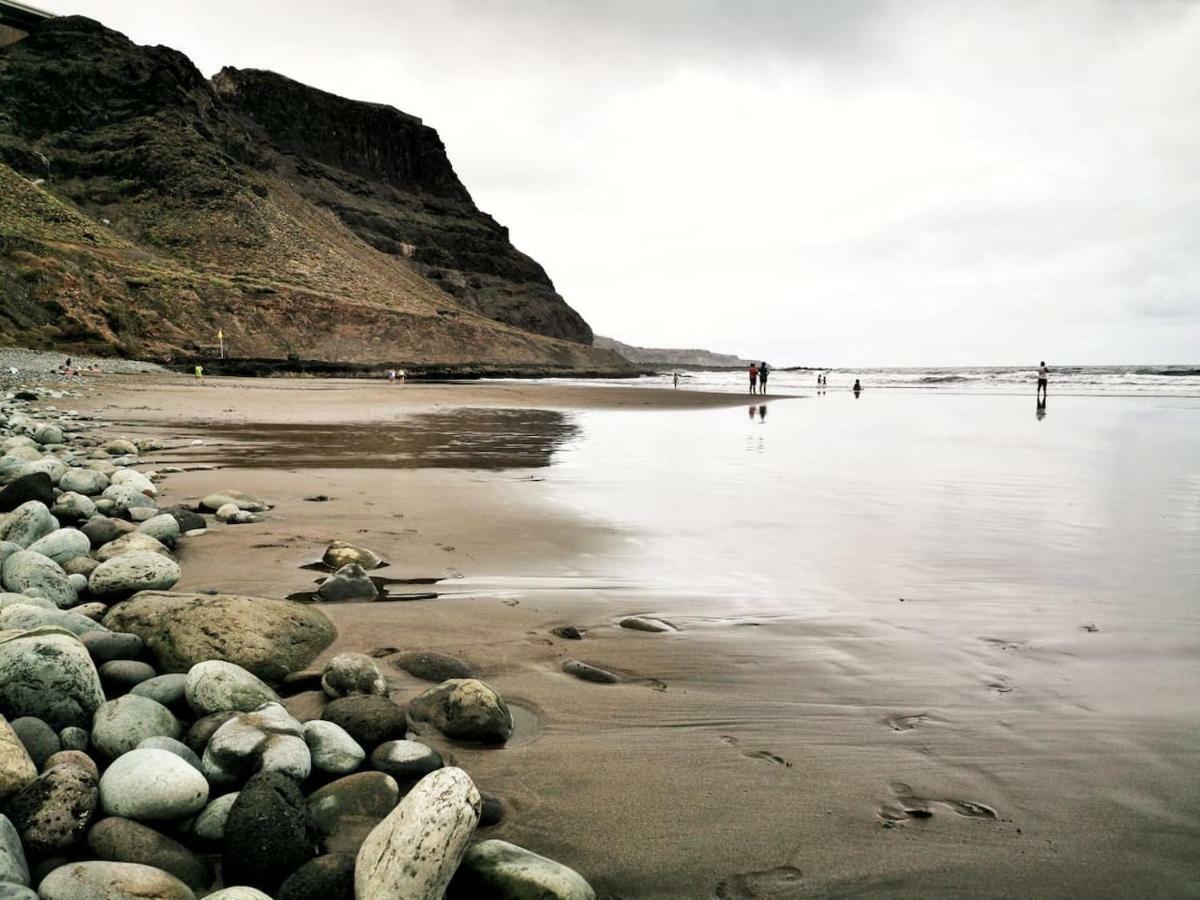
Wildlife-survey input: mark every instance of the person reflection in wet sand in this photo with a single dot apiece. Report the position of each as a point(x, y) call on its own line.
point(1041, 410)
point(762, 414)
point(751, 412)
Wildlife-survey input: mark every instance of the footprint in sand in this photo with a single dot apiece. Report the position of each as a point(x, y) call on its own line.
point(768, 884)
point(907, 805)
point(762, 755)
point(906, 723)
point(1002, 685)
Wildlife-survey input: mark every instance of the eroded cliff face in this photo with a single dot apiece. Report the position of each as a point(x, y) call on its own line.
point(143, 207)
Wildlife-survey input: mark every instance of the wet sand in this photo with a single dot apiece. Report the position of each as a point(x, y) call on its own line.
point(929, 747)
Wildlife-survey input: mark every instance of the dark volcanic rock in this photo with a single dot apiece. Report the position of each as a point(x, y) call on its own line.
point(323, 878)
point(368, 718)
point(28, 487)
point(53, 812)
point(268, 834)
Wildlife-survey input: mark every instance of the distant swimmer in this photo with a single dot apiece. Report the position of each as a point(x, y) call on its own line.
point(1043, 380)
point(763, 371)
point(753, 378)
point(857, 388)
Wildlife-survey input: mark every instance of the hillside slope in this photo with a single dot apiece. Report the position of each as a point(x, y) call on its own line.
point(142, 208)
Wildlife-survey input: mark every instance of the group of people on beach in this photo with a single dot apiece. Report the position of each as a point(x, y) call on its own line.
point(69, 368)
point(394, 375)
point(758, 377)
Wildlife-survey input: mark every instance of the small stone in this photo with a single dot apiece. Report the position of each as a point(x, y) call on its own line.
point(352, 673)
point(152, 785)
point(121, 447)
point(567, 632)
point(504, 871)
point(215, 686)
point(76, 758)
point(345, 811)
point(98, 880)
point(123, 840)
point(268, 833)
point(324, 878)
point(40, 740)
point(204, 728)
point(27, 523)
point(73, 738)
point(287, 755)
point(25, 570)
point(491, 810)
point(333, 750)
point(644, 623)
point(585, 672)
point(430, 666)
point(185, 518)
point(135, 571)
point(104, 530)
point(405, 760)
point(105, 646)
point(210, 824)
point(121, 724)
point(368, 718)
point(163, 528)
point(17, 768)
point(171, 745)
point(415, 850)
point(242, 501)
point(131, 542)
point(341, 553)
point(62, 545)
point(73, 507)
point(226, 512)
point(120, 676)
point(169, 690)
point(349, 583)
point(240, 892)
point(26, 617)
point(13, 867)
point(306, 706)
point(466, 709)
point(88, 482)
point(53, 812)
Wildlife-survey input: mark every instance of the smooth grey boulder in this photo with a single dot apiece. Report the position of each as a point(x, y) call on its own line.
point(239, 892)
point(88, 482)
point(333, 751)
point(414, 851)
point(25, 617)
point(16, 892)
point(102, 530)
point(466, 709)
point(342, 553)
point(136, 571)
point(127, 497)
point(150, 785)
point(237, 746)
point(106, 645)
point(645, 623)
point(8, 599)
point(25, 570)
point(121, 676)
point(171, 745)
point(120, 725)
point(349, 583)
point(131, 542)
point(27, 523)
point(269, 638)
point(286, 754)
point(76, 758)
point(139, 481)
point(40, 740)
point(162, 528)
point(72, 506)
point(210, 824)
point(123, 840)
point(215, 686)
point(53, 812)
point(503, 871)
point(587, 672)
point(62, 545)
point(241, 500)
point(46, 433)
point(405, 760)
point(169, 690)
point(13, 867)
point(352, 673)
point(47, 673)
point(98, 880)
point(74, 738)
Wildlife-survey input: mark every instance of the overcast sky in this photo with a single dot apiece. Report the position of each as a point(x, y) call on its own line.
point(833, 183)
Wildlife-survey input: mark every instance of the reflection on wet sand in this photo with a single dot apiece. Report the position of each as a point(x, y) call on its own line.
point(455, 439)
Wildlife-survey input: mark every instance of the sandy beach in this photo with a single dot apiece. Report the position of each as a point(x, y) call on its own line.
point(873, 686)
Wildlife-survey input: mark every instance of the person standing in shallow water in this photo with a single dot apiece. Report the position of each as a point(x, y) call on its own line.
point(857, 388)
point(763, 371)
point(753, 378)
point(1043, 381)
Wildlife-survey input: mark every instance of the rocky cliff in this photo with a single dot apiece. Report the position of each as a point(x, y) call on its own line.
point(667, 356)
point(143, 207)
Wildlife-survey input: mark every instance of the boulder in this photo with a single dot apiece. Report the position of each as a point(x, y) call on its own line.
point(169, 690)
point(152, 785)
point(349, 583)
point(268, 834)
point(47, 673)
point(27, 523)
point(120, 725)
point(341, 553)
point(98, 880)
point(136, 480)
point(121, 676)
point(121, 447)
point(171, 745)
point(368, 718)
point(104, 530)
point(62, 545)
point(8, 599)
point(352, 673)
point(209, 826)
point(88, 482)
point(76, 758)
point(645, 623)
point(163, 528)
point(13, 867)
point(204, 728)
point(240, 892)
point(106, 645)
point(25, 570)
point(504, 871)
point(17, 768)
point(135, 571)
point(266, 637)
point(242, 501)
point(466, 709)
point(33, 487)
point(405, 760)
point(585, 672)
point(53, 812)
point(363, 799)
point(324, 878)
point(48, 433)
point(215, 686)
point(127, 497)
point(73, 507)
point(26, 617)
point(414, 851)
point(122, 840)
point(185, 518)
point(430, 666)
point(240, 744)
point(39, 739)
point(287, 755)
point(333, 751)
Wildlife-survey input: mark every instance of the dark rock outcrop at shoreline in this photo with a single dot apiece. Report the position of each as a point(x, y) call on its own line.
point(668, 356)
point(143, 208)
